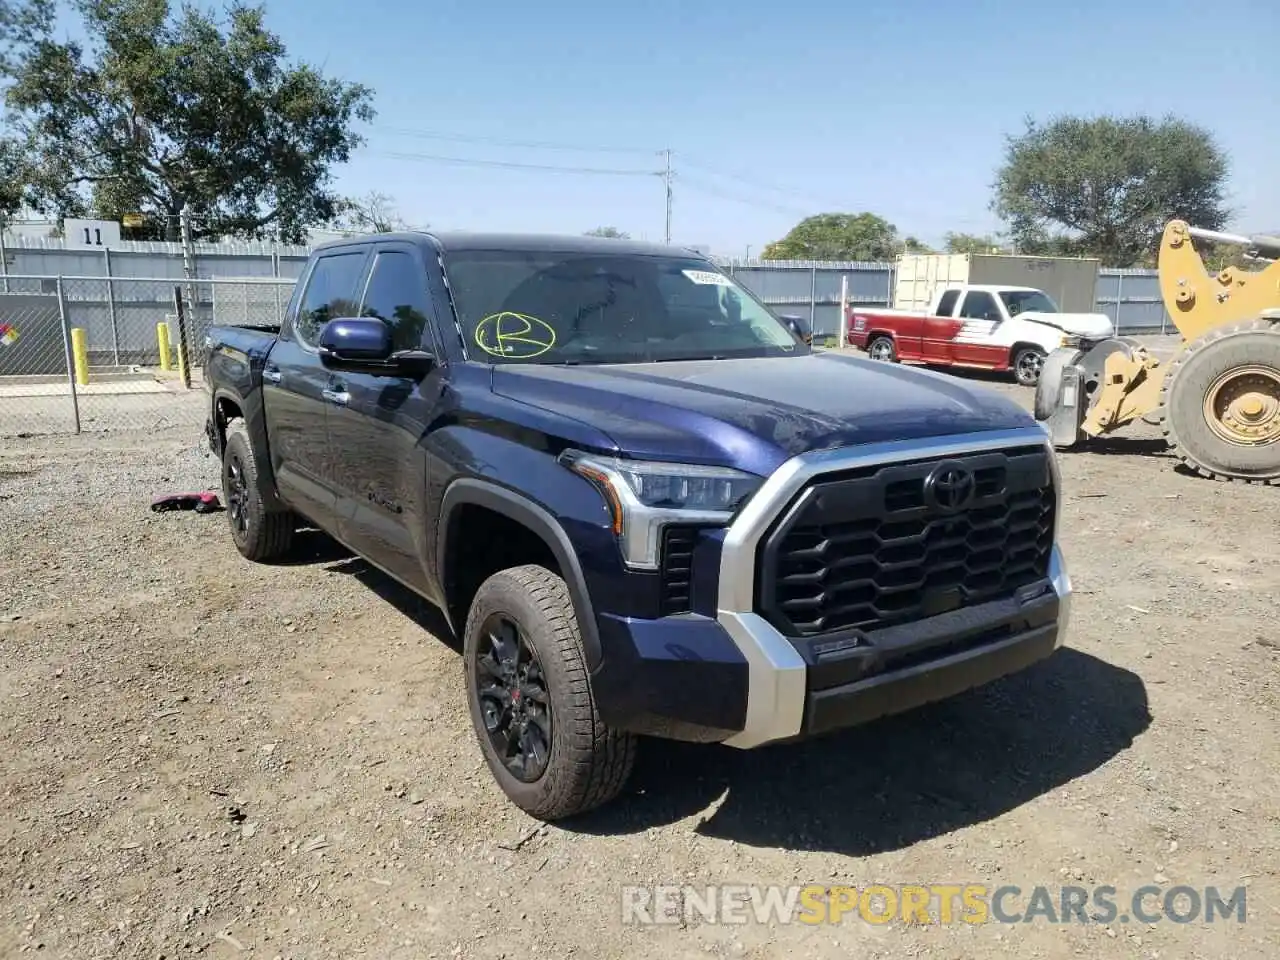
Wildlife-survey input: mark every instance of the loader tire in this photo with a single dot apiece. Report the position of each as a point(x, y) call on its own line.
point(1221, 403)
point(1050, 383)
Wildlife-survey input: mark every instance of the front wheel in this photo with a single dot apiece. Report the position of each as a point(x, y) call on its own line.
point(530, 699)
point(1221, 402)
point(1027, 364)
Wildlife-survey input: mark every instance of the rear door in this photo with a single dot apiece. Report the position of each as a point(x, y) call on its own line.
point(377, 433)
point(938, 334)
point(296, 387)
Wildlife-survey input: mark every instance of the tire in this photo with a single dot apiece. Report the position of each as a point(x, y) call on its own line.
point(259, 534)
point(1050, 382)
point(1187, 386)
point(584, 765)
point(1027, 363)
point(885, 347)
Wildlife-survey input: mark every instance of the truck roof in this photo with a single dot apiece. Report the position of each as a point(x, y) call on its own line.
point(523, 242)
point(993, 287)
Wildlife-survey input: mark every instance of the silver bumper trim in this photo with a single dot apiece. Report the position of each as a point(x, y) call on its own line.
point(775, 670)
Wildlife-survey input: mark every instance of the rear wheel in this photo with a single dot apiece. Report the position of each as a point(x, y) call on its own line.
point(1221, 401)
point(258, 534)
point(882, 348)
point(1027, 364)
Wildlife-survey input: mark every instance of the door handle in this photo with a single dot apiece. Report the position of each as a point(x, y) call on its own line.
point(340, 397)
point(272, 374)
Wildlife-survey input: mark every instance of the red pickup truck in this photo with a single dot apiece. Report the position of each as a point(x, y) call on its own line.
point(986, 327)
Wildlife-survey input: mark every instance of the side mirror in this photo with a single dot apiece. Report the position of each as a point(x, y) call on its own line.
point(363, 345)
point(797, 325)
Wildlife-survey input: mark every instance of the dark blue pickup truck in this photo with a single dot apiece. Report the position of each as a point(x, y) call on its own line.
point(646, 505)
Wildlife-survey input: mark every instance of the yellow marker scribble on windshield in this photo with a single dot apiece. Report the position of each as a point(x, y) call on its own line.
point(516, 336)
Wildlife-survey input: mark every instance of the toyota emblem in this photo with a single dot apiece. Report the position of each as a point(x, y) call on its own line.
point(949, 487)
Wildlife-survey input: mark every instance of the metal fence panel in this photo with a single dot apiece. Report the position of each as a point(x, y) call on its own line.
point(35, 390)
point(97, 353)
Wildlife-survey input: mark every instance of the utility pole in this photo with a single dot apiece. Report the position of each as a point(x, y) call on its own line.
point(4, 265)
point(666, 176)
point(189, 271)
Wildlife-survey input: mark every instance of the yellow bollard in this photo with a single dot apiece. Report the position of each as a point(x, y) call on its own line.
point(80, 352)
point(162, 336)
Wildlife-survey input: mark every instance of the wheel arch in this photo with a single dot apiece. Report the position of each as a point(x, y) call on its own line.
point(228, 406)
point(539, 522)
point(1020, 345)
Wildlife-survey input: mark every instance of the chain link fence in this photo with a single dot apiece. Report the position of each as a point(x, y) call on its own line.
point(116, 353)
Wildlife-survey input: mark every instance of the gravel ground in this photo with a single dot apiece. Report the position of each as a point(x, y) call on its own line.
point(207, 757)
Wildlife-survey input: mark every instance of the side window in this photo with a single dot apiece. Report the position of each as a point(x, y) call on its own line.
point(980, 305)
point(331, 293)
point(947, 305)
point(397, 295)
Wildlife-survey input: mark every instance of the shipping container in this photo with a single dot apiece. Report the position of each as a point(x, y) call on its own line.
point(1070, 281)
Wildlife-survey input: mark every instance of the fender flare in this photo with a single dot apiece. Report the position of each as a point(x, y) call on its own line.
point(251, 411)
point(517, 507)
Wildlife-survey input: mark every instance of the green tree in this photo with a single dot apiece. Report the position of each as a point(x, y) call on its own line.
point(1106, 186)
point(163, 109)
point(970, 243)
point(613, 233)
point(837, 236)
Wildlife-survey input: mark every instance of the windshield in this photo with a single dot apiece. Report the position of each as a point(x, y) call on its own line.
point(564, 307)
point(1027, 301)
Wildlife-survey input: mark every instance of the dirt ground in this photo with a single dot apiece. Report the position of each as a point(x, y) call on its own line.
point(206, 757)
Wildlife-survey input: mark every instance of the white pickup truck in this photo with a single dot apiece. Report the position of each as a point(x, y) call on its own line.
point(984, 326)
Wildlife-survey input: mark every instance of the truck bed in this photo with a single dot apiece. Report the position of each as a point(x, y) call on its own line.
point(234, 356)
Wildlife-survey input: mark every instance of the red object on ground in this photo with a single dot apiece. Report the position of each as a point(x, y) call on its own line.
point(206, 502)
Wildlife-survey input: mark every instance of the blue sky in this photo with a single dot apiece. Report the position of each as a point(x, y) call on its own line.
point(772, 110)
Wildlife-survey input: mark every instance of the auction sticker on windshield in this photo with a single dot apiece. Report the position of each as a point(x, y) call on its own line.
point(707, 277)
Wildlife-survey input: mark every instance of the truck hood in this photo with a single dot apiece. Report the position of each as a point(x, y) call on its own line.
point(755, 413)
point(1096, 326)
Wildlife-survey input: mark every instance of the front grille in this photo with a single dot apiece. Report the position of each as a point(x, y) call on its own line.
point(677, 568)
point(871, 548)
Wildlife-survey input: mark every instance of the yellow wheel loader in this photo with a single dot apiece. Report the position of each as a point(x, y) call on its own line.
point(1218, 399)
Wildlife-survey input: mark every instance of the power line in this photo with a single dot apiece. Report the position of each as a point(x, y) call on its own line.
point(712, 190)
point(747, 181)
point(502, 142)
point(514, 165)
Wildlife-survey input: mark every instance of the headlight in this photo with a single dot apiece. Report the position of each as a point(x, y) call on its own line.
point(643, 496)
point(1069, 340)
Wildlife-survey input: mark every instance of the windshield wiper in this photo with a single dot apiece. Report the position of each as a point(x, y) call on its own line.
point(685, 359)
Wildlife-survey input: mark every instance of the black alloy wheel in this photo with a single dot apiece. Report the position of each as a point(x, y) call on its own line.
point(514, 703)
point(236, 489)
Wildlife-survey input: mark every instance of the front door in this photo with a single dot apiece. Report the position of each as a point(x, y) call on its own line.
point(976, 342)
point(376, 432)
point(295, 388)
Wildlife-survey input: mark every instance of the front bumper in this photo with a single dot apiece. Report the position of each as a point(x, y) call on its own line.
point(736, 679)
point(916, 663)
